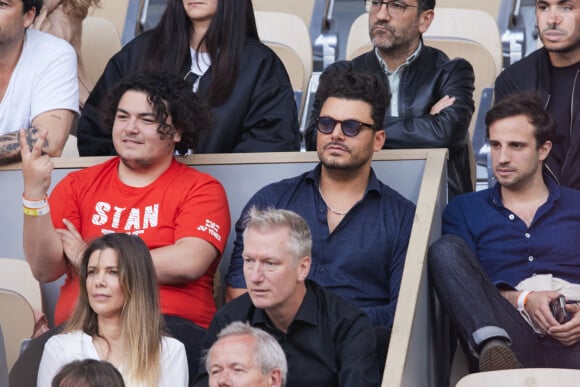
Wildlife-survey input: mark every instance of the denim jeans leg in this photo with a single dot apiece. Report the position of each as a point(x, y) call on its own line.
point(465, 291)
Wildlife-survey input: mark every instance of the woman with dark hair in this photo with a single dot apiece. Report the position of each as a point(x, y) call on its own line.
point(88, 373)
point(214, 45)
point(117, 318)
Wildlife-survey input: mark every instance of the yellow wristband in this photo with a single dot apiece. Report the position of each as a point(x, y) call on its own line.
point(36, 211)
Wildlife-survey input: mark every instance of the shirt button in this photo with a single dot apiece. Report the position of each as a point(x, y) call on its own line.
point(530, 258)
point(527, 235)
point(511, 216)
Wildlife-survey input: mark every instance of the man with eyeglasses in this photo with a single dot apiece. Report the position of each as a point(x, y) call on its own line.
point(360, 226)
point(554, 71)
point(431, 96)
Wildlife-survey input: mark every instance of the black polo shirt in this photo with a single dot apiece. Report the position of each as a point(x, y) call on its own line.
point(330, 342)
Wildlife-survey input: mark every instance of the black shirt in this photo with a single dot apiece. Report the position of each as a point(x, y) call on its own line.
point(560, 108)
point(330, 342)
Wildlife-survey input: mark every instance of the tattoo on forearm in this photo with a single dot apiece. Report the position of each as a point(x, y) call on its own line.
point(9, 148)
point(10, 145)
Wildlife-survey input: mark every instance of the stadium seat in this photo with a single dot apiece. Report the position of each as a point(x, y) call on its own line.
point(287, 36)
point(17, 321)
point(317, 16)
point(100, 41)
point(16, 275)
point(4, 382)
point(536, 377)
point(124, 14)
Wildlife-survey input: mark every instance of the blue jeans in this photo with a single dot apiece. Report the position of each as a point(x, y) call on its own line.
point(479, 312)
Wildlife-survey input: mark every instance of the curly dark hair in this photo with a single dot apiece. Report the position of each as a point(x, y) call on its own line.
point(169, 95)
point(348, 84)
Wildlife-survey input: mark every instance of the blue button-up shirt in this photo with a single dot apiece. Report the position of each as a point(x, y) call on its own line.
point(362, 259)
point(507, 249)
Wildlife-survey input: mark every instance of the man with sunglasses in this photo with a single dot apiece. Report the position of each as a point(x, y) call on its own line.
point(360, 227)
point(431, 96)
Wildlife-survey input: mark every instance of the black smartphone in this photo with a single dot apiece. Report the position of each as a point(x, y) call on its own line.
point(558, 308)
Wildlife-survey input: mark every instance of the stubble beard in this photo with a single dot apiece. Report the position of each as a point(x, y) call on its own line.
point(570, 47)
point(136, 164)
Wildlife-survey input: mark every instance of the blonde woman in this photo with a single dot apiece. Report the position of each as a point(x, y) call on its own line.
point(117, 319)
point(64, 19)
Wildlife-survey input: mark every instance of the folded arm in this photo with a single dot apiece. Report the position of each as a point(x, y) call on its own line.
point(443, 124)
point(184, 261)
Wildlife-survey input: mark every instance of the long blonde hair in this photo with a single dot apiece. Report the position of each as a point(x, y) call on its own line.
point(142, 324)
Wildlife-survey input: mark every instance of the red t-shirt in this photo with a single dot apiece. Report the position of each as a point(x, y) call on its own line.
point(182, 202)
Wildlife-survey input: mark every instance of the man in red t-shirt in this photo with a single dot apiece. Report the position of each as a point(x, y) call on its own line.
point(180, 213)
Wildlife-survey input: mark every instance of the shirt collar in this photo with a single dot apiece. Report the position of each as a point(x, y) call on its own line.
point(373, 185)
point(553, 189)
point(409, 60)
point(308, 311)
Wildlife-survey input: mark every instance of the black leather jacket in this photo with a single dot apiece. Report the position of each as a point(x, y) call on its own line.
point(430, 77)
point(259, 116)
point(533, 73)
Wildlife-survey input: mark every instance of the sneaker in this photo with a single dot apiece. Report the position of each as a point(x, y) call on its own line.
point(497, 355)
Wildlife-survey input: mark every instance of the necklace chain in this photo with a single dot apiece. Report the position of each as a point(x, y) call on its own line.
point(341, 213)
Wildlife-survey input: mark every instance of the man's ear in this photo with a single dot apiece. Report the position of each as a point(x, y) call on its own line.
point(177, 136)
point(29, 17)
point(380, 138)
point(303, 268)
point(425, 19)
point(544, 150)
point(276, 378)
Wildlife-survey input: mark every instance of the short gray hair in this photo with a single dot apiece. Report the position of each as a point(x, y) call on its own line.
point(268, 354)
point(300, 242)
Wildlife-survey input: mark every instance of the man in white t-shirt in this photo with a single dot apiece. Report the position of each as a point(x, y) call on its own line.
point(38, 82)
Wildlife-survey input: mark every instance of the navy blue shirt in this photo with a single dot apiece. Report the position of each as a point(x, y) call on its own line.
point(362, 259)
point(330, 342)
point(507, 249)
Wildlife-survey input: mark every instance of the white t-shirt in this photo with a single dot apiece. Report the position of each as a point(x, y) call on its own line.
point(44, 79)
point(67, 347)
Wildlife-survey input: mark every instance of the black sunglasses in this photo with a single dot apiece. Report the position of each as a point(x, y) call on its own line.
point(350, 128)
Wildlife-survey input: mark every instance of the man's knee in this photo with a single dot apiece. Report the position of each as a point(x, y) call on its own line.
point(446, 252)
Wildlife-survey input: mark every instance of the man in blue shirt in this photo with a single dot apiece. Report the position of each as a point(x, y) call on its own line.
point(512, 249)
point(360, 227)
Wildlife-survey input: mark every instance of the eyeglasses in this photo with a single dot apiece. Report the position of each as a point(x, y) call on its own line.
point(350, 128)
point(394, 8)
